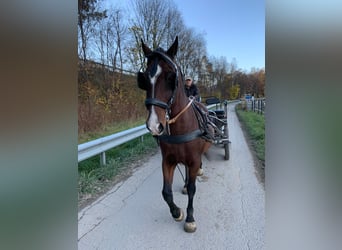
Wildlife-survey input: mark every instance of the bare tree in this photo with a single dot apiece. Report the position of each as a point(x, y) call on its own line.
point(100, 34)
point(191, 52)
point(120, 34)
point(154, 21)
point(175, 25)
point(109, 35)
point(88, 11)
point(151, 17)
point(221, 68)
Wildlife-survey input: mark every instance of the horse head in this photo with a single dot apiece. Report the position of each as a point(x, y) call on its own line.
point(160, 81)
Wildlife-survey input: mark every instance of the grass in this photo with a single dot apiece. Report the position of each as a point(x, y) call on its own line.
point(255, 128)
point(93, 178)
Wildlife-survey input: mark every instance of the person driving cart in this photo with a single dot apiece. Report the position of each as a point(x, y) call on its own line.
point(191, 89)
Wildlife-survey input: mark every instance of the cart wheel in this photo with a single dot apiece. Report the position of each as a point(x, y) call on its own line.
point(226, 151)
point(226, 144)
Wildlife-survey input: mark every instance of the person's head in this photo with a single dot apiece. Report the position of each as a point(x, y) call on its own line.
point(188, 81)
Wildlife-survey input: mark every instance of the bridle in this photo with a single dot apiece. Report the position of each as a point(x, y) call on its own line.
point(167, 106)
point(154, 101)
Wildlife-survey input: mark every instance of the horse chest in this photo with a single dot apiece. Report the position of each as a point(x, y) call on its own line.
point(181, 153)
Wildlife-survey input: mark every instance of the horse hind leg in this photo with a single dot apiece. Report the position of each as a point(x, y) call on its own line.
point(175, 211)
point(200, 172)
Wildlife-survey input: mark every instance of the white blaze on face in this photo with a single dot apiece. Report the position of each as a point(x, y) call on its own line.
point(153, 122)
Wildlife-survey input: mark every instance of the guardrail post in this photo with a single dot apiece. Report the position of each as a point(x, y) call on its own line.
point(103, 158)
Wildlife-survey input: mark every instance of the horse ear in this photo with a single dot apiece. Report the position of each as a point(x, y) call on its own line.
point(172, 51)
point(145, 49)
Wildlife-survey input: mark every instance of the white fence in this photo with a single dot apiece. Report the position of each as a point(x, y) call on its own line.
point(257, 105)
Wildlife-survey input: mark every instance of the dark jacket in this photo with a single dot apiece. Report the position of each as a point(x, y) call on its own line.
point(193, 90)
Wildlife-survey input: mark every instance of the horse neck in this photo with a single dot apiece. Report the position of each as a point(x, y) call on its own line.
point(186, 122)
point(181, 100)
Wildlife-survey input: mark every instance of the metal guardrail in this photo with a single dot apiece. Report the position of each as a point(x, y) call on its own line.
point(101, 145)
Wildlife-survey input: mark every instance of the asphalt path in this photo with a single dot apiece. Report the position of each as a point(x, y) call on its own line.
point(229, 206)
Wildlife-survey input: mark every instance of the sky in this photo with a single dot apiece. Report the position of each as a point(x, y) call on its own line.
point(231, 28)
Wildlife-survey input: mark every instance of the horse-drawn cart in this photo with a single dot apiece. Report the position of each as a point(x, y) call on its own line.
point(218, 120)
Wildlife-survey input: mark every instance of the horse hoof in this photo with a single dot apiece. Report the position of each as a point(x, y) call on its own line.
point(190, 227)
point(184, 190)
point(181, 216)
point(200, 172)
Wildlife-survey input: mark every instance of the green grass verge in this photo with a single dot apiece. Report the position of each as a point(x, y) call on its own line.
point(255, 128)
point(94, 178)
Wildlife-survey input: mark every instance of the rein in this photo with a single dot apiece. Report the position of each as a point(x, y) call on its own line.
point(173, 120)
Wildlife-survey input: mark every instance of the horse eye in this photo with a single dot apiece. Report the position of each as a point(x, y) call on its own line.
point(171, 79)
point(142, 83)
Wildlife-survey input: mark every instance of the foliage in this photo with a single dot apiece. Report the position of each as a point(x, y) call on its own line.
point(106, 97)
point(87, 9)
point(234, 92)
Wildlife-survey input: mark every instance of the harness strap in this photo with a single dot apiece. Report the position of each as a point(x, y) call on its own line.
point(173, 120)
point(177, 139)
point(203, 122)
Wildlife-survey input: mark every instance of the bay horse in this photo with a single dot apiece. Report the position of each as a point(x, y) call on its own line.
point(174, 122)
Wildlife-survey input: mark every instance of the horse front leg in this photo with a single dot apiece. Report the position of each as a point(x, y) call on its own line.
point(184, 190)
point(190, 224)
point(168, 171)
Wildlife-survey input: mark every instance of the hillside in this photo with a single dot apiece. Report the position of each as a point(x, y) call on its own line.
point(106, 98)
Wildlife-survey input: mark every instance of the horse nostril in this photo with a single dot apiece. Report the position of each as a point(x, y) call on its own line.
point(160, 128)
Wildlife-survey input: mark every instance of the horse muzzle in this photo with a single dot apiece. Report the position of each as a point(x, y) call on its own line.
point(156, 128)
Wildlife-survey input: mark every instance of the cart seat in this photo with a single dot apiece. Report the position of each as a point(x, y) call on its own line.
point(219, 113)
point(212, 113)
